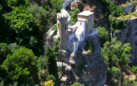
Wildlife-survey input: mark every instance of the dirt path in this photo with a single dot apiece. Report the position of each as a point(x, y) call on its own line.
point(126, 72)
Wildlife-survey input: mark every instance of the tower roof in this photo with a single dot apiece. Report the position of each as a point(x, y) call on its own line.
point(85, 13)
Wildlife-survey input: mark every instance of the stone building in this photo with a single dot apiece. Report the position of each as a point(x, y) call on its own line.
point(72, 36)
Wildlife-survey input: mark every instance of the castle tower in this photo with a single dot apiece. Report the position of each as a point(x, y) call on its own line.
point(89, 18)
point(62, 25)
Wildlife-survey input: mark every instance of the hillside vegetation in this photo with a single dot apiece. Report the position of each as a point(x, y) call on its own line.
point(23, 24)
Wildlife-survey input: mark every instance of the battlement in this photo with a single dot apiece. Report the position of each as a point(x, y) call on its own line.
point(61, 16)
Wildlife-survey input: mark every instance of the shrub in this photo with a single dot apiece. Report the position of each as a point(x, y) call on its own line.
point(89, 46)
point(117, 24)
point(51, 77)
point(77, 84)
point(73, 15)
point(134, 69)
point(115, 71)
point(103, 34)
point(116, 11)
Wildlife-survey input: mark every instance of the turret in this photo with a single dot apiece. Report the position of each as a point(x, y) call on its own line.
point(62, 25)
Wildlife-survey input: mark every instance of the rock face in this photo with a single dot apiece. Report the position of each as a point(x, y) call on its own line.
point(129, 35)
point(129, 8)
point(90, 67)
point(76, 4)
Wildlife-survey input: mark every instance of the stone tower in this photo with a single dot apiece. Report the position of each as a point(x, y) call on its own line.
point(62, 25)
point(89, 18)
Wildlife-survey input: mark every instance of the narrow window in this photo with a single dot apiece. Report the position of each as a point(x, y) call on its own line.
point(65, 26)
point(58, 26)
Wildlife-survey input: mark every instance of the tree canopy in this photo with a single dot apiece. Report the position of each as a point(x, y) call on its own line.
point(103, 34)
point(17, 69)
point(57, 4)
point(114, 52)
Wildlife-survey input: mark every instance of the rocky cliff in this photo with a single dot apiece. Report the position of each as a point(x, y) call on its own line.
point(89, 68)
point(129, 35)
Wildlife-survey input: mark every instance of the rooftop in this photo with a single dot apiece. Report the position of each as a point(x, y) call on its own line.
point(86, 13)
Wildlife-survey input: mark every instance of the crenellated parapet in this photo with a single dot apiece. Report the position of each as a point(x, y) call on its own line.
point(61, 16)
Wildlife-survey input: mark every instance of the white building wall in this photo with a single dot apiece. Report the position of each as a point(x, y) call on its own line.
point(76, 44)
point(81, 31)
point(71, 36)
point(82, 36)
point(73, 28)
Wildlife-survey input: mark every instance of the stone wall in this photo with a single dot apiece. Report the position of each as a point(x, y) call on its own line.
point(129, 35)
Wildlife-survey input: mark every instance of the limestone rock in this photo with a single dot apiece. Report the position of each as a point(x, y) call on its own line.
point(90, 67)
point(129, 35)
point(129, 8)
point(76, 4)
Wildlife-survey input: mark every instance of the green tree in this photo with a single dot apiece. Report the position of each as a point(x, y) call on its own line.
point(21, 67)
point(103, 34)
point(42, 66)
point(77, 84)
point(4, 31)
point(116, 11)
point(16, 3)
point(73, 15)
point(56, 47)
point(51, 77)
point(57, 4)
point(6, 49)
point(115, 71)
point(3, 52)
point(41, 17)
point(114, 52)
point(52, 67)
point(23, 30)
point(134, 69)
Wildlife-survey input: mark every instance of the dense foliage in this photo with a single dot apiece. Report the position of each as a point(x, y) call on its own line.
point(134, 69)
point(116, 11)
point(103, 35)
point(73, 15)
point(52, 61)
point(77, 84)
point(23, 26)
point(117, 24)
point(57, 4)
point(17, 69)
point(114, 52)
